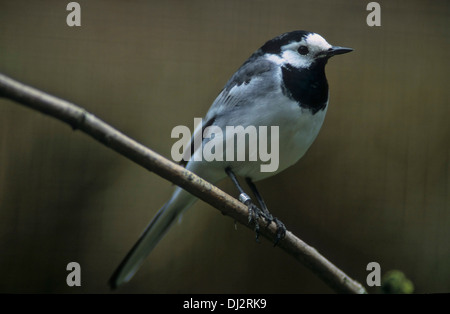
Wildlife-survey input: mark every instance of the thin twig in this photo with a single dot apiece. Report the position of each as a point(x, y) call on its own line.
point(80, 119)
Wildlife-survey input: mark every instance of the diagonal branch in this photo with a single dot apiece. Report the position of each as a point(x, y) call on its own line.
point(80, 119)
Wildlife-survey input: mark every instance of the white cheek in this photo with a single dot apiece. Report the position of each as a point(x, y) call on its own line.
point(290, 57)
point(293, 58)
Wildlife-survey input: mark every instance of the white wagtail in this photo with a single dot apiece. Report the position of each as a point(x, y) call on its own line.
point(282, 84)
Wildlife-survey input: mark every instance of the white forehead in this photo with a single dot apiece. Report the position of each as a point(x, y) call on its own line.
point(314, 42)
point(317, 41)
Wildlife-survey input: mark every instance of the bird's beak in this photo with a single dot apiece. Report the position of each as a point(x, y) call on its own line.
point(336, 50)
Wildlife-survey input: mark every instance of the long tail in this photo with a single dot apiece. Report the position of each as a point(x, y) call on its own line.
point(156, 229)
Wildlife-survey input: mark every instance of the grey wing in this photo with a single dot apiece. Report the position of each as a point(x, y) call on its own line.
point(258, 72)
point(251, 81)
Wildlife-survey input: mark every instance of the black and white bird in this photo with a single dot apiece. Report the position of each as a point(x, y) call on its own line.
point(282, 84)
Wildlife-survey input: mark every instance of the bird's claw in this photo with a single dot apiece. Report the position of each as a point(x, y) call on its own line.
point(253, 217)
point(281, 228)
point(281, 231)
point(254, 213)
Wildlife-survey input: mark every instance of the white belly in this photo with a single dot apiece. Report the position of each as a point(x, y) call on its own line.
point(298, 129)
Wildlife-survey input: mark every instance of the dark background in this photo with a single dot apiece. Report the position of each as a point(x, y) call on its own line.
point(373, 187)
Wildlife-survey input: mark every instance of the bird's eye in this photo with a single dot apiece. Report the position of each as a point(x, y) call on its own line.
point(303, 50)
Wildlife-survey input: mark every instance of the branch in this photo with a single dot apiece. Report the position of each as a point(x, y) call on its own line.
point(80, 119)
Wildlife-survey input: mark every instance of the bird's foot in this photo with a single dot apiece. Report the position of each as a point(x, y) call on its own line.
point(254, 213)
point(281, 228)
point(281, 231)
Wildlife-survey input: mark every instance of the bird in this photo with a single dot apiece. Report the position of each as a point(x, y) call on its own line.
point(282, 84)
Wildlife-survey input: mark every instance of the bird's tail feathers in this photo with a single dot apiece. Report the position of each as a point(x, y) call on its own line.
point(153, 233)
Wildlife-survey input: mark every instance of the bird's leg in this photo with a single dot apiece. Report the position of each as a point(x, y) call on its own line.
point(266, 213)
point(281, 229)
point(253, 211)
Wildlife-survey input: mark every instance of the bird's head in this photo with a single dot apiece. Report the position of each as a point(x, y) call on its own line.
point(300, 49)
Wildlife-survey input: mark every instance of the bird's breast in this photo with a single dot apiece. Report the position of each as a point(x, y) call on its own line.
point(297, 130)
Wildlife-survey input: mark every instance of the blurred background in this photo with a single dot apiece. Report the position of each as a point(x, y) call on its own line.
point(374, 187)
